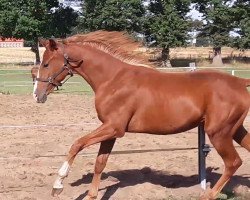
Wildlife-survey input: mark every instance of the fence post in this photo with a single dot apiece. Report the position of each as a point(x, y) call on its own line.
point(192, 66)
point(203, 150)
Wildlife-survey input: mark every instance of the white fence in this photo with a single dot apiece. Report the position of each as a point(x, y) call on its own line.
point(232, 71)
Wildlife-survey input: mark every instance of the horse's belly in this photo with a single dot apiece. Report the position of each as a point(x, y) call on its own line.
point(165, 119)
point(159, 126)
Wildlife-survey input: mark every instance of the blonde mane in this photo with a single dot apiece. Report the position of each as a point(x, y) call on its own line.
point(117, 44)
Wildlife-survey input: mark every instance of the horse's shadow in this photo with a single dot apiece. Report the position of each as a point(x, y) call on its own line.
point(125, 178)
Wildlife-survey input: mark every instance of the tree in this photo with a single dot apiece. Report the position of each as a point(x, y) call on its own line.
point(31, 19)
point(112, 15)
point(241, 11)
point(163, 20)
point(8, 17)
point(218, 16)
point(28, 20)
point(168, 24)
point(62, 21)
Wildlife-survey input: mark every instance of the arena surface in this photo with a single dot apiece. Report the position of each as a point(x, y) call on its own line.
point(36, 137)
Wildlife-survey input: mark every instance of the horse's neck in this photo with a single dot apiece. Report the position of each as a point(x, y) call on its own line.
point(99, 67)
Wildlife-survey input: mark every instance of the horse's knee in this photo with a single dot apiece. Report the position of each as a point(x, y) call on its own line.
point(75, 148)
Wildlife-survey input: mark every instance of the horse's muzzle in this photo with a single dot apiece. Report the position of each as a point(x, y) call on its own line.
point(40, 98)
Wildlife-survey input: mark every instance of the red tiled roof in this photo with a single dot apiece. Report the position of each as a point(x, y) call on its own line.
point(11, 40)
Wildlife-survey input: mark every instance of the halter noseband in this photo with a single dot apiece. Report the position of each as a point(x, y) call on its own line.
point(67, 66)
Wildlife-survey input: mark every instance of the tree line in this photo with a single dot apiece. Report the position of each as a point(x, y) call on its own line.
point(162, 23)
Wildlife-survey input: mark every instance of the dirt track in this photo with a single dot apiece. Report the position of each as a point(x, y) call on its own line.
point(30, 156)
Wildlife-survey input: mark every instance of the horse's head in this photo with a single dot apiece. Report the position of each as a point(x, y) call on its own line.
point(53, 69)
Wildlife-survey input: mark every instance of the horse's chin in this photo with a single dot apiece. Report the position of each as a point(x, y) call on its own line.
point(41, 101)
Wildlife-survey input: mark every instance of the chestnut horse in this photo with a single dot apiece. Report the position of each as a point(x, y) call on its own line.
point(132, 98)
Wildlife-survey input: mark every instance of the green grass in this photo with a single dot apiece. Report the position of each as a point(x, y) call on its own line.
point(243, 73)
point(228, 195)
point(20, 82)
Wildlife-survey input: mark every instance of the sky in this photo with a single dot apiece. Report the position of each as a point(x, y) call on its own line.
point(195, 14)
point(76, 5)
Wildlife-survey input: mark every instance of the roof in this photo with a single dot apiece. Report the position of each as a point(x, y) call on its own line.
point(11, 40)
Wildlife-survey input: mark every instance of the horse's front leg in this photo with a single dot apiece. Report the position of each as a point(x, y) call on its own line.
point(101, 160)
point(103, 133)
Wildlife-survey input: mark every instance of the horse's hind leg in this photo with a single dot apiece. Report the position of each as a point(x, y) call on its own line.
point(242, 137)
point(101, 160)
point(223, 143)
point(104, 132)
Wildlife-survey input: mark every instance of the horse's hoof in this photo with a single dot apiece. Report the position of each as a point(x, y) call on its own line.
point(206, 197)
point(56, 191)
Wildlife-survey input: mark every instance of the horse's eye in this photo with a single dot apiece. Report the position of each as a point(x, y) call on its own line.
point(46, 65)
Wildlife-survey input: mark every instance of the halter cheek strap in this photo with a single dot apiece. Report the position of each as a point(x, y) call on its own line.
point(67, 66)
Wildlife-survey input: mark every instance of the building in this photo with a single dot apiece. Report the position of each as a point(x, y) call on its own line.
point(11, 42)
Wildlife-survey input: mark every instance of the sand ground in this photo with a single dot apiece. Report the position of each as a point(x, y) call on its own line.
point(143, 166)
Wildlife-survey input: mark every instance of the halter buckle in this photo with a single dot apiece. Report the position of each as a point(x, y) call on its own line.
point(50, 80)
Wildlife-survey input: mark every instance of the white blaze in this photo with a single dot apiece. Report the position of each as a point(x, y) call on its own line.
point(35, 87)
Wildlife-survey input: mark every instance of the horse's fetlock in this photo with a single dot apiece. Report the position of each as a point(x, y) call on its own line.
point(63, 171)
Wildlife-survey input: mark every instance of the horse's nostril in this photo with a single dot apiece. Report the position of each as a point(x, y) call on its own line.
point(44, 99)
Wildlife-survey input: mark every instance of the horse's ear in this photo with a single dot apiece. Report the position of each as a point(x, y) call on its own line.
point(52, 45)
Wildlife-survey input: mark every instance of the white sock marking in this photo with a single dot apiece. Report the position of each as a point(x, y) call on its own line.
point(62, 173)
